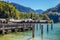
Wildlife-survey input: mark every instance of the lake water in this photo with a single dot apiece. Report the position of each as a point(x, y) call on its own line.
point(48, 33)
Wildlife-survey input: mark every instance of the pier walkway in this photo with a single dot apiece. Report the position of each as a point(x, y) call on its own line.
point(5, 28)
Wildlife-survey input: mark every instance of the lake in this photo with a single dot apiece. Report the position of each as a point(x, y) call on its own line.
point(47, 33)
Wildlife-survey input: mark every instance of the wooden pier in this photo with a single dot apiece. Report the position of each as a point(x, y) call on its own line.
point(15, 27)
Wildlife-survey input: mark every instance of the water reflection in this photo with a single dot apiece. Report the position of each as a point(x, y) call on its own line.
point(40, 25)
point(44, 33)
point(33, 31)
point(47, 28)
point(37, 26)
point(41, 32)
point(51, 26)
point(32, 38)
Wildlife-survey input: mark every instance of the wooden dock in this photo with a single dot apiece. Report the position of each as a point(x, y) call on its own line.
point(6, 28)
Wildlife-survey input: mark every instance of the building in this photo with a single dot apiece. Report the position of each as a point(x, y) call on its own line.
point(21, 20)
point(43, 21)
point(3, 21)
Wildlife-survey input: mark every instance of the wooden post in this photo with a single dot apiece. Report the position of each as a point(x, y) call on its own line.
point(40, 25)
point(41, 32)
point(47, 28)
point(3, 31)
point(16, 30)
point(37, 26)
point(51, 26)
point(8, 31)
point(24, 26)
point(41, 28)
point(33, 32)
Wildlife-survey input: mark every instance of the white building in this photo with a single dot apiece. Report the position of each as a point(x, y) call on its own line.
point(2, 20)
point(43, 20)
point(21, 20)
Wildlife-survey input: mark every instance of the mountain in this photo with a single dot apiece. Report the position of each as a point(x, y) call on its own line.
point(54, 9)
point(7, 10)
point(22, 8)
point(26, 9)
point(54, 13)
point(39, 11)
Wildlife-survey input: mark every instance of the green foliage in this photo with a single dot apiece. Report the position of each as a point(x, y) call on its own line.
point(44, 17)
point(34, 16)
point(8, 11)
point(50, 21)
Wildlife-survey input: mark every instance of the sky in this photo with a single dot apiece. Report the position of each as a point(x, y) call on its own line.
point(37, 4)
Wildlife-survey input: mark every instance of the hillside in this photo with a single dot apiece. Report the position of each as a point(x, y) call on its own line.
point(22, 8)
point(26, 9)
point(54, 13)
point(8, 10)
point(39, 11)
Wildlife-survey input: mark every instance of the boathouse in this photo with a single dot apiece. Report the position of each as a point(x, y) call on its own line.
point(21, 20)
point(3, 21)
point(43, 21)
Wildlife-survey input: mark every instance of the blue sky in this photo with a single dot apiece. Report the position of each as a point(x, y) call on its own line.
point(37, 4)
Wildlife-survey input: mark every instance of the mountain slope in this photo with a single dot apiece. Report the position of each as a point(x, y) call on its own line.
point(7, 10)
point(39, 11)
point(23, 8)
point(54, 13)
point(54, 9)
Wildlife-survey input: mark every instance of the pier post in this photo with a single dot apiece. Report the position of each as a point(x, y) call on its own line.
point(37, 26)
point(24, 26)
point(40, 25)
point(8, 31)
point(51, 26)
point(41, 32)
point(33, 32)
point(3, 31)
point(47, 27)
point(16, 30)
point(41, 28)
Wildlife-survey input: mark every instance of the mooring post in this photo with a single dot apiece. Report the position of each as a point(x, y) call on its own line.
point(47, 27)
point(24, 26)
point(37, 26)
point(3, 31)
point(41, 28)
point(16, 29)
point(41, 32)
point(40, 25)
point(33, 31)
point(51, 26)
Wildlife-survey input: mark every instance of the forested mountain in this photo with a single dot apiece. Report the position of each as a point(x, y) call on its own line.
point(8, 10)
point(54, 13)
point(39, 11)
point(54, 9)
point(26, 9)
point(23, 8)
